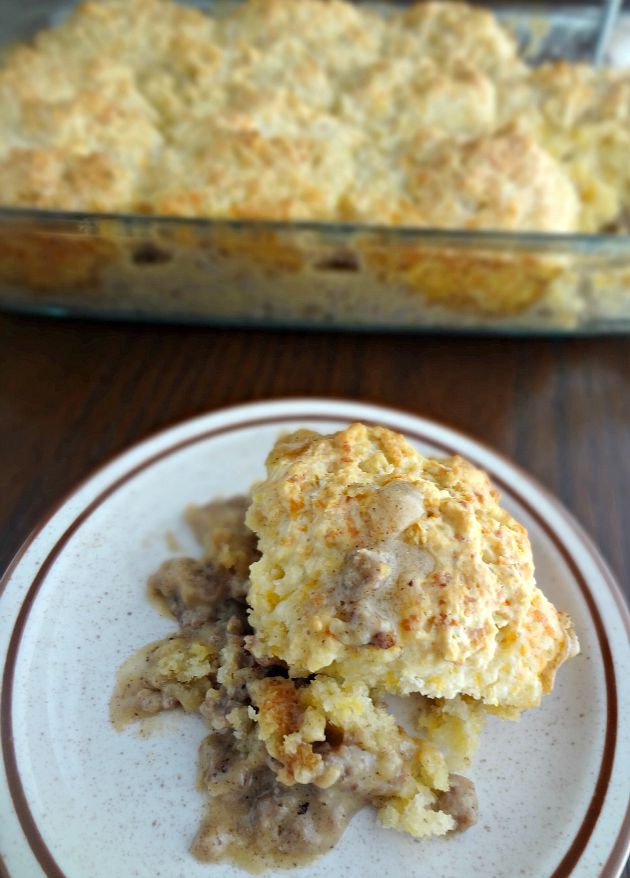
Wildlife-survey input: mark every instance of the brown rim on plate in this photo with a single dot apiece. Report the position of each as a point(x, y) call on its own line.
point(573, 854)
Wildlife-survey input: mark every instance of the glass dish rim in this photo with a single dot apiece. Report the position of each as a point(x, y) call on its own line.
point(484, 238)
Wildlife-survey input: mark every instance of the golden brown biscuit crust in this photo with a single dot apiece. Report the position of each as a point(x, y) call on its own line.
point(398, 570)
point(312, 110)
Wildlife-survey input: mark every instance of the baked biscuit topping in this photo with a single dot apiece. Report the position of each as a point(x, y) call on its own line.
point(312, 110)
point(398, 570)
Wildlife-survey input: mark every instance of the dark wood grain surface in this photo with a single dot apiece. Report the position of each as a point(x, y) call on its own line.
point(74, 393)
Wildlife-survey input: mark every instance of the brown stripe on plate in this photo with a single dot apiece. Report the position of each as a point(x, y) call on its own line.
point(566, 865)
point(619, 854)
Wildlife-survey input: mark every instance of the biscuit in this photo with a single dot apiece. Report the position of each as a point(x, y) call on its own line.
point(399, 571)
point(310, 111)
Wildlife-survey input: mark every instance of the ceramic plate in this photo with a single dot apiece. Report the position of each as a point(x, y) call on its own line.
point(80, 800)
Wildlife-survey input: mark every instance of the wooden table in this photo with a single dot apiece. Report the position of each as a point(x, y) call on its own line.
point(74, 393)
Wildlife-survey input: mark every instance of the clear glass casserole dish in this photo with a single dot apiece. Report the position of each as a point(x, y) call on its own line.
point(318, 274)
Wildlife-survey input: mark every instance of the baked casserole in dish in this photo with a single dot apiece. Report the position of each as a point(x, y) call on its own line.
point(312, 163)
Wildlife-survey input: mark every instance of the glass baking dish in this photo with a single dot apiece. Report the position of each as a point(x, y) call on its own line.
point(321, 275)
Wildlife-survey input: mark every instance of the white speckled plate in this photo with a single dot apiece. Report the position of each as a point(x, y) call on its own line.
point(78, 799)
